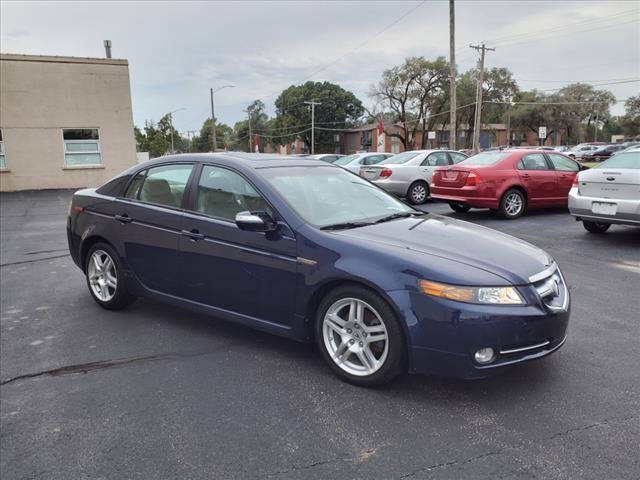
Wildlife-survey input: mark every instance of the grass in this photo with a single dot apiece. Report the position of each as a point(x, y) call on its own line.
point(590, 164)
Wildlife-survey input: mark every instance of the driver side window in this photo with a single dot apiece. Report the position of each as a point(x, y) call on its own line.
point(222, 193)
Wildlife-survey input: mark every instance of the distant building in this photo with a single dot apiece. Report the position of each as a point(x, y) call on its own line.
point(65, 122)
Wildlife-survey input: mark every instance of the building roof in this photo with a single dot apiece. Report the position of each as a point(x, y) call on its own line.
point(15, 57)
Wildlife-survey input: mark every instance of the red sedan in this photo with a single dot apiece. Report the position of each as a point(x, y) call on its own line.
point(506, 181)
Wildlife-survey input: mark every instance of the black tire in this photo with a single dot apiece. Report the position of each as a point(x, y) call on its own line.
point(507, 209)
point(418, 192)
point(121, 297)
point(595, 227)
point(459, 207)
point(395, 361)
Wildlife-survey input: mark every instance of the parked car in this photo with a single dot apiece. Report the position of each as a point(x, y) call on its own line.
point(608, 194)
point(580, 150)
point(408, 174)
point(326, 157)
point(355, 161)
point(508, 181)
point(312, 252)
point(602, 153)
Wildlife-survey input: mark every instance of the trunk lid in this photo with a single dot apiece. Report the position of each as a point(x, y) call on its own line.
point(614, 183)
point(451, 177)
point(372, 172)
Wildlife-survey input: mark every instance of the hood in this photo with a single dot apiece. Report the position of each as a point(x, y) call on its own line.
point(483, 248)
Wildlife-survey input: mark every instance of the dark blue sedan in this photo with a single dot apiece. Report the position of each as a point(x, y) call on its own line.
point(312, 252)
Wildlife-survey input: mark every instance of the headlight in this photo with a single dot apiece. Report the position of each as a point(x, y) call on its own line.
point(485, 295)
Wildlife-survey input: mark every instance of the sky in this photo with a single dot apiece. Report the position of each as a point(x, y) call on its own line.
point(178, 50)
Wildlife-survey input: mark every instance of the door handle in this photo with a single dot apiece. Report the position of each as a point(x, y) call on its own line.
point(193, 234)
point(526, 175)
point(124, 218)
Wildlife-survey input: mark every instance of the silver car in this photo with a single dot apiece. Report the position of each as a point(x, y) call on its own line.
point(580, 150)
point(608, 193)
point(408, 174)
point(326, 157)
point(355, 161)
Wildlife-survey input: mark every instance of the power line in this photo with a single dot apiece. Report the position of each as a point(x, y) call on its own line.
point(379, 32)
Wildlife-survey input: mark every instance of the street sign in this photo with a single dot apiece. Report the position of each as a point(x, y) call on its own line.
point(431, 135)
point(542, 132)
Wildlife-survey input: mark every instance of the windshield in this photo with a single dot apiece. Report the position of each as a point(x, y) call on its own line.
point(622, 160)
point(486, 158)
point(325, 196)
point(346, 160)
point(403, 157)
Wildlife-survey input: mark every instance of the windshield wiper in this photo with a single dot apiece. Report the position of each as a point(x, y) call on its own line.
point(345, 225)
point(398, 215)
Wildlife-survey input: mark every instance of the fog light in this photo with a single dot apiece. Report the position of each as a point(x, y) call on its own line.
point(485, 355)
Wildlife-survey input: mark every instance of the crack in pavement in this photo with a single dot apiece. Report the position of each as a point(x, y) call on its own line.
point(568, 431)
point(306, 467)
point(47, 251)
point(34, 260)
point(106, 364)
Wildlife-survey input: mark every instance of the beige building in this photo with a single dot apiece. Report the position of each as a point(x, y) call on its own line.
point(65, 122)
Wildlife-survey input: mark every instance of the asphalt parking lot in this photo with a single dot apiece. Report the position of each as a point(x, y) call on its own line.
point(157, 392)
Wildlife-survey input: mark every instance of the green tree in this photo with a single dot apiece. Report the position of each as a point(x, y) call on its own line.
point(339, 109)
point(631, 120)
point(202, 141)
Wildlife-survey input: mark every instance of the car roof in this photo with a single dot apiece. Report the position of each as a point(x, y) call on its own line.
point(249, 160)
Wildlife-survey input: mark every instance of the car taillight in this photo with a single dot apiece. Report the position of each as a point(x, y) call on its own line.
point(472, 180)
point(575, 181)
point(436, 177)
point(385, 173)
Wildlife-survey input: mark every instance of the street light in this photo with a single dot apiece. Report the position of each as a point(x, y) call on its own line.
point(214, 145)
point(171, 126)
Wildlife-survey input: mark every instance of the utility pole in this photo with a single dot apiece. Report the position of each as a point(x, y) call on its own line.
point(477, 126)
point(250, 135)
point(171, 125)
point(214, 144)
point(313, 115)
point(452, 76)
point(595, 129)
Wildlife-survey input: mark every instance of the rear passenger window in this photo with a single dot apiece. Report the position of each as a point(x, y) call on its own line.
point(223, 194)
point(457, 157)
point(534, 161)
point(561, 163)
point(134, 186)
point(165, 185)
point(437, 159)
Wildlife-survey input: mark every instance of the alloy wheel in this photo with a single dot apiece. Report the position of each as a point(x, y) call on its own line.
point(355, 336)
point(513, 204)
point(103, 278)
point(418, 194)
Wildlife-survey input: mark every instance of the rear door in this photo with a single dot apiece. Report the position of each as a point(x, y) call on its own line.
point(151, 217)
point(538, 179)
point(566, 170)
point(433, 160)
point(248, 273)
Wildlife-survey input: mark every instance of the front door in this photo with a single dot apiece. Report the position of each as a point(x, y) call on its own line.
point(538, 179)
point(150, 219)
point(566, 171)
point(248, 273)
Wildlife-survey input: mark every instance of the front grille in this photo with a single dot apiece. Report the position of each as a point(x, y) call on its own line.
point(552, 289)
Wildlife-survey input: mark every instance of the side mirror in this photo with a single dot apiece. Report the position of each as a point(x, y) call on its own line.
point(258, 221)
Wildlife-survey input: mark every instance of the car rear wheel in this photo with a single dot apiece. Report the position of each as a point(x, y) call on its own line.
point(512, 204)
point(459, 207)
point(595, 227)
point(105, 278)
point(418, 193)
point(360, 337)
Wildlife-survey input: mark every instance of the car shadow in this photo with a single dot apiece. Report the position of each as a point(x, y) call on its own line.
point(514, 381)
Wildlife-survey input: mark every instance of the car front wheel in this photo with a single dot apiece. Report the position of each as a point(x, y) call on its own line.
point(512, 204)
point(595, 227)
point(105, 278)
point(360, 337)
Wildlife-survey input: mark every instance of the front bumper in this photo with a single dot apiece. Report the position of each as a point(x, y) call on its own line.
point(443, 335)
point(627, 212)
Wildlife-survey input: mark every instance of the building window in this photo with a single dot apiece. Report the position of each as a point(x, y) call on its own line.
point(3, 161)
point(395, 145)
point(81, 146)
